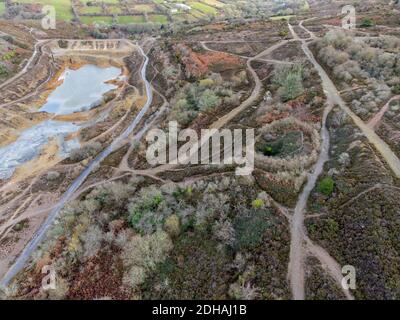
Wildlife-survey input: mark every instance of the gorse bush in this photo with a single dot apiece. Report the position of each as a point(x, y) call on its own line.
point(172, 226)
point(257, 203)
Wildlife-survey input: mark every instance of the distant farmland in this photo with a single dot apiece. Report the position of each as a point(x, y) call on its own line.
point(131, 11)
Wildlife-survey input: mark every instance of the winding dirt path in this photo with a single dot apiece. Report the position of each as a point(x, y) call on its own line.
point(299, 240)
point(333, 95)
point(36, 51)
point(329, 264)
point(45, 226)
point(297, 230)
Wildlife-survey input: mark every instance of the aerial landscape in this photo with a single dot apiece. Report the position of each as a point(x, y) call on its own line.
point(199, 150)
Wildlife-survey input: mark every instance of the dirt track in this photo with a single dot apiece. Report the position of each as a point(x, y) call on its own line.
point(40, 234)
point(299, 240)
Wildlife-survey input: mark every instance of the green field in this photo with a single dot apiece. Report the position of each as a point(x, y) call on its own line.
point(158, 18)
point(115, 10)
point(100, 20)
point(91, 10)
point(203, 8)
point(64, 10)
point(214, 3)
point(143, 8)
point(105, 1)
point(124, 19)
point(63, 7)
point(130, 19)
point(2, 8)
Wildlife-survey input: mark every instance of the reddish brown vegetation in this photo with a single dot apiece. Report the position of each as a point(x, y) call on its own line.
point(199, 64)
point(100, 277)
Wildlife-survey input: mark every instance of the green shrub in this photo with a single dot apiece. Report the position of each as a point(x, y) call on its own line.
point(332, 226)
point(367, 22)
point(257, 203)
point(396, 89)
point(290, 82)
point(326, 186)
point(272, 149)
point(283, 33)
point(207, 83)
point(3, 71)
point(208, 100)
point(9, 55)
point(142, 213)
point(250, 228)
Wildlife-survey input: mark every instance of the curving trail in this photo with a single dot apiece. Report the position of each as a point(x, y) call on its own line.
point(37, 51)
point(218, 124)
point(329, 264)
point(299, 240)
point(297, 245)
point(333, 95)
point(311, 34)
point(40, 234)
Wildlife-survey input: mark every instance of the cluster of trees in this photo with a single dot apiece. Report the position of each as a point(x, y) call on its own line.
point(372, 97)
point(202, 96)
point(97, 34)
point(169, 70)
point(11, 56)
point(140, 28)
point(140, 226)
point(289, 80)
point(357, 59)
point(19, 10)
point(373, 61)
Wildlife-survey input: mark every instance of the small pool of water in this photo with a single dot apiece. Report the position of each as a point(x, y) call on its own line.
point(81, 89)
